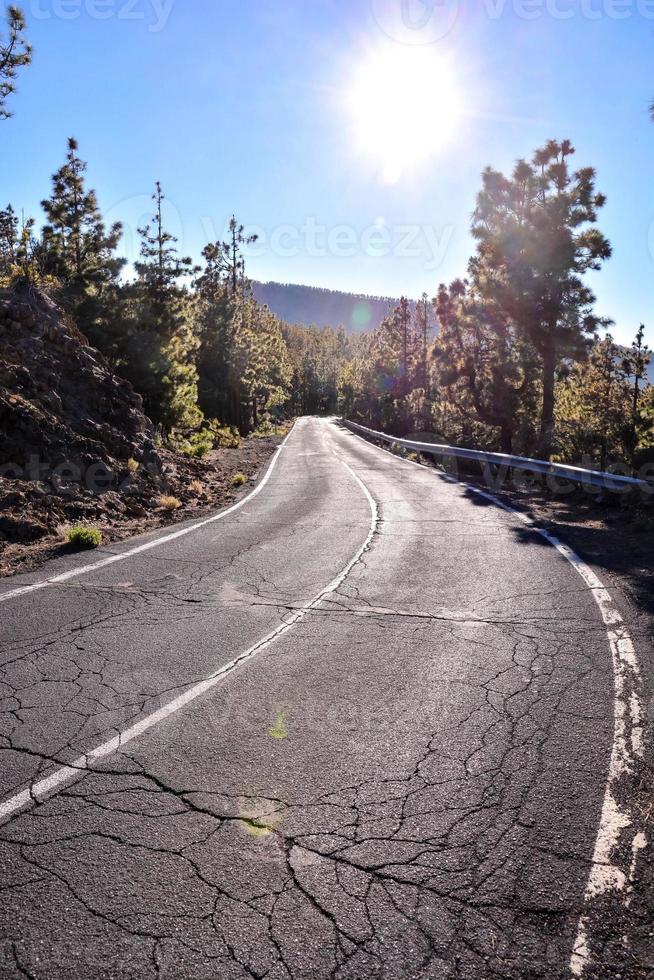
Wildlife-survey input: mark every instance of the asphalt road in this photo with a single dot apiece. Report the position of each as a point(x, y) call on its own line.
point(360, 726)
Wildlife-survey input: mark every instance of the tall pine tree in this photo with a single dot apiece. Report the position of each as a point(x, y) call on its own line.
point(80, 249)
point(485, 369)
point(160, 267)
point(536, 239)
point(634, 364)
point(160, 329)
point(232, 255)
point(15, 53)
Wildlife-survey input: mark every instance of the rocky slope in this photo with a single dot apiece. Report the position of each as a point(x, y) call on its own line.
point(75, 445)
point(68, 427)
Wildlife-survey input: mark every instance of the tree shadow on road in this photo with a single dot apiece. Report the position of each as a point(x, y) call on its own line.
point(615, 536)
point(611, 539)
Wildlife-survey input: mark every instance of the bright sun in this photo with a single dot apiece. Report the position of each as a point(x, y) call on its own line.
point(405, 106)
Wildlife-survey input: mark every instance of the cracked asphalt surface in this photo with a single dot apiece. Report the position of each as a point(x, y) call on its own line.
point(406, 783)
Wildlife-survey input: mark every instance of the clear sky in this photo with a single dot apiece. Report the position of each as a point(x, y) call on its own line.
point(287, 112)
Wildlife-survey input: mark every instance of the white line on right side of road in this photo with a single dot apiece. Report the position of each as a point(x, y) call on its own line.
point(66, 775)
point(628, 747)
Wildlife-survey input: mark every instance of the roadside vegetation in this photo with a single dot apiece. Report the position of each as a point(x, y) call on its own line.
point(168, 502)
point(83, 536)
point(511, 356)
point(520, 363)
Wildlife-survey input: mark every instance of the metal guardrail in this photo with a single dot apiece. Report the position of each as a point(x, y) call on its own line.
point(573, 474)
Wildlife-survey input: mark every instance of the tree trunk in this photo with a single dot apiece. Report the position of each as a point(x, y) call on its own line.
point(506, 439)
point(634, 424)
point(546, 439)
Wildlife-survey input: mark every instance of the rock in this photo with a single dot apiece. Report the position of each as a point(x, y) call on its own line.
point(65, 422)
point(59, 401)
point(22, 529)
point(12, 499)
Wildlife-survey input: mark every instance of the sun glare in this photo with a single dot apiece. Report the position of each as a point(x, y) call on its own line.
point(405, 107)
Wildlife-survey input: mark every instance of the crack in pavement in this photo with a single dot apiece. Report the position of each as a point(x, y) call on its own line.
point(413, 844)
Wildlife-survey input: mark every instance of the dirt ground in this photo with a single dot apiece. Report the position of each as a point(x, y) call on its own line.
point(33, 516)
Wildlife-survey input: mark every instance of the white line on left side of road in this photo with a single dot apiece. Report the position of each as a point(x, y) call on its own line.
point(65, 775)
point(141, 548)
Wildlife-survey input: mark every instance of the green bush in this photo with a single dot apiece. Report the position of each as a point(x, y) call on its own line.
point(83, 536)
point(199, 443)
point(226, 437)
point(266, 429)
point(239, 479)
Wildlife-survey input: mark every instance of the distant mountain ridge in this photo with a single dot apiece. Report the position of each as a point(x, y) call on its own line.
point(315, 306)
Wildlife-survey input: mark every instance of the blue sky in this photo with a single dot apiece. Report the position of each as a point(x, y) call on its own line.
point(249, 108)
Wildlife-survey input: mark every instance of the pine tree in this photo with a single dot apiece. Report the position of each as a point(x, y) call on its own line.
point(634, 365)
point(593, 406)
point(261, 361)
point(160, 268)
point(161, 329)
point(486, 370)
point(610, 396)
point(9, 239)
point(355, 389)
point(317, 356)
point(423, 323)
point(21, 254)
point(392, 356)
point(29, 255)
point(233, 260)
point(212, 282)
point(216, 310)
point(79, 247)
point(536, 241)
point(403, 314)
point(243, 363)
point(15, 53)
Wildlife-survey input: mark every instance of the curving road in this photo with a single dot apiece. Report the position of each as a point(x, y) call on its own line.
point(358, 726)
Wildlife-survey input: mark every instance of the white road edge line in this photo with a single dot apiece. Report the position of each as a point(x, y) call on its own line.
point(66, 775)
point(628, 744)
point(140, 549)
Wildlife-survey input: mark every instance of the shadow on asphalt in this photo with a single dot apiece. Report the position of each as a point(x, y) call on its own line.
point(608, 539)
point(606, 535)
